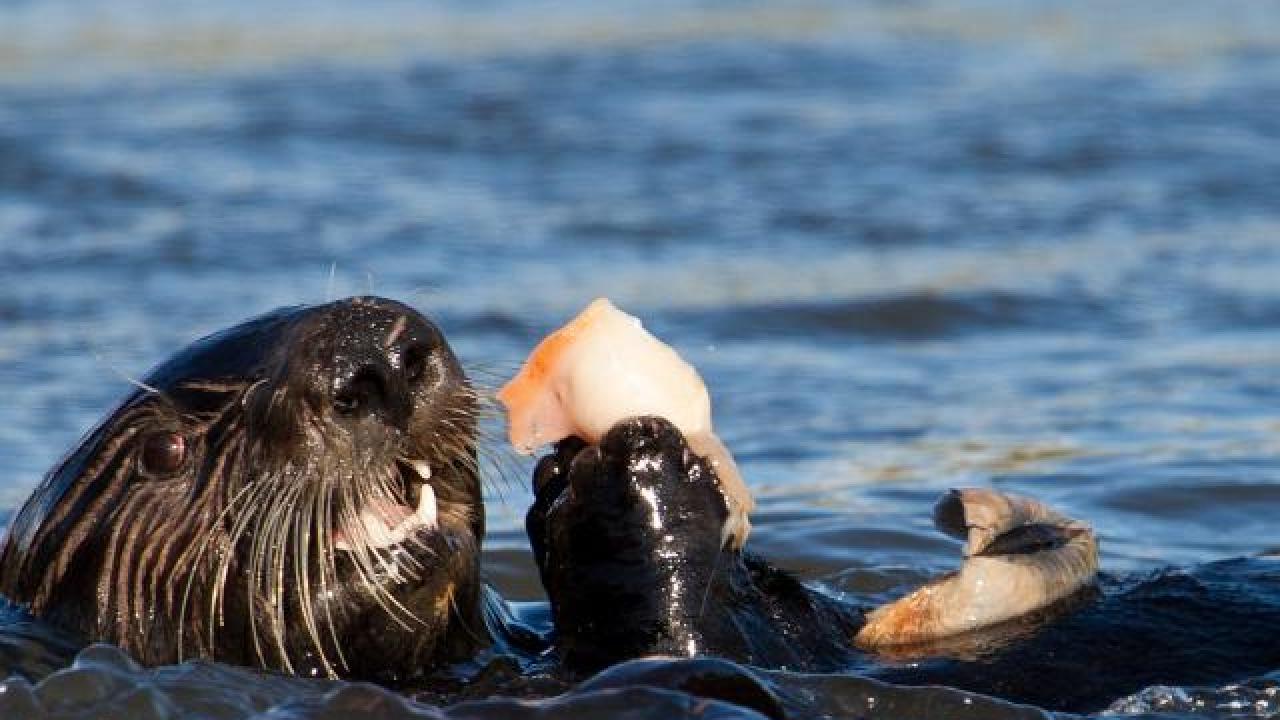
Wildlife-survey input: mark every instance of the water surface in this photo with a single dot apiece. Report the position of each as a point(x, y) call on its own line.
point(910, 246)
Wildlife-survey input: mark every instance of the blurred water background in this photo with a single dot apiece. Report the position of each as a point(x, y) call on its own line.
point(910, 245)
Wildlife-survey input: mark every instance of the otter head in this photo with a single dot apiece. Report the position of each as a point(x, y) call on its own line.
point(299, 492)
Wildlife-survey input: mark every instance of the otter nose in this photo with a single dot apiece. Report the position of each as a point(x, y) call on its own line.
point(367, 385)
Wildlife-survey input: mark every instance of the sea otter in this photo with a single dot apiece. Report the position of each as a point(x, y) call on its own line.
point(301, 493)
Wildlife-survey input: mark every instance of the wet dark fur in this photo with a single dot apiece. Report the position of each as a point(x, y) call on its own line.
point(225, 557)
point(232, 554)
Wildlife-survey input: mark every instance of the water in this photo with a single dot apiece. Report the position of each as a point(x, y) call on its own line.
point(910, 246)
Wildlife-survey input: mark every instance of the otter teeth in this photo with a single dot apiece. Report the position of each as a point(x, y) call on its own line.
point(426, 511)
point(388, 523)
point(422, 468)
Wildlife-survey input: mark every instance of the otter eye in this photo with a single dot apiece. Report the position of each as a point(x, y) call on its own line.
point(415, 363)
point(162, 453)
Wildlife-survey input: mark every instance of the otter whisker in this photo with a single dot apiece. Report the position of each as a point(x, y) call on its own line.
point(326, 553)
point(402, 615)
point(277, 528)
point(260, 561)
point(302, 540)
point(466, 627)
point(251, 392)
point(251, 520)
point(234, 446)
point(300, 543)
point(150, 390)
point(175, 546)
point(366, 553)
point(357, 536)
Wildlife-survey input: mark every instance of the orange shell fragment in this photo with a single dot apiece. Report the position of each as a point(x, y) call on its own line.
point(603, 367)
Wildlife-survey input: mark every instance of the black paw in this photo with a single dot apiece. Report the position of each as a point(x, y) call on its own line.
point(627, 535)
point(640, 489)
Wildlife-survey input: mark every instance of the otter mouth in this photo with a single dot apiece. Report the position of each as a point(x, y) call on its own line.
point(386, 521)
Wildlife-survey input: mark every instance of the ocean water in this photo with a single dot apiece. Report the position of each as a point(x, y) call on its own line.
point(910, 246)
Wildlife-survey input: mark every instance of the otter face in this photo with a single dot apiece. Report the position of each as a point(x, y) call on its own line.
point(299, 492)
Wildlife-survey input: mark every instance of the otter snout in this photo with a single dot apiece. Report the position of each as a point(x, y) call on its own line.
point(377, 355)
point(371, 383)
point(370, 368)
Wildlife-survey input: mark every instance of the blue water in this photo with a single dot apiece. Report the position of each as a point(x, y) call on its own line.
point(910, 246)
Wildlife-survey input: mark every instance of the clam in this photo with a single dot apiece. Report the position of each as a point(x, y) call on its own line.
point(1020, 556)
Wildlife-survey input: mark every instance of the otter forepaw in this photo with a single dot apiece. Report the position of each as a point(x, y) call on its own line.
point(642, 485)
point(618, 529)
